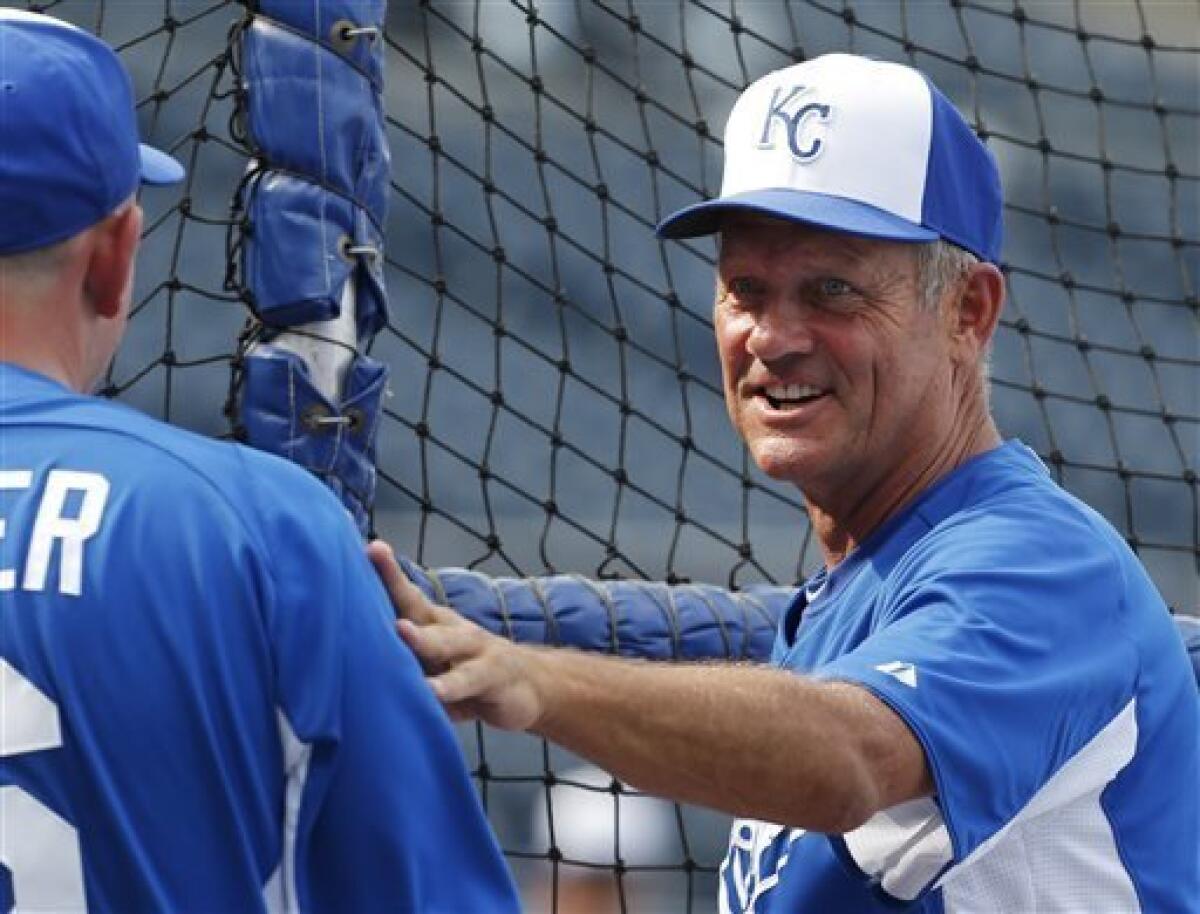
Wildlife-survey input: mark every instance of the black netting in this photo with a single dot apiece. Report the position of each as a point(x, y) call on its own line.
point(555, 399)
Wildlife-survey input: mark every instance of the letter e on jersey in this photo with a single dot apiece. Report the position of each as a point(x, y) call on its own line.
point(52, 525)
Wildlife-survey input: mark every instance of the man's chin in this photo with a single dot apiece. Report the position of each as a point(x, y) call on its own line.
point(793, 464)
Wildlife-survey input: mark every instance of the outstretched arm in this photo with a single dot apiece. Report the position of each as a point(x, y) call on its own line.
point(747, 740)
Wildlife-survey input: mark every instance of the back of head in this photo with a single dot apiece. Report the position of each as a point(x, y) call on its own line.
point(67, 104)
point(859, 146)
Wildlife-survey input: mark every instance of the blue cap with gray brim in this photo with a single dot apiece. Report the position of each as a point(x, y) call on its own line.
point(855, 145)
point(69, 150)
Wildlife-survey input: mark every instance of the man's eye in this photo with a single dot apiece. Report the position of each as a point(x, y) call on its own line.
point(831, 287)
point(741, 286)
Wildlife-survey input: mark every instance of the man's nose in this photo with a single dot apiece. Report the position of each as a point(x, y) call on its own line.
point(779, 332)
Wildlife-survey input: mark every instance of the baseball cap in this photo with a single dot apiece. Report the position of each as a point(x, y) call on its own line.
point(69, 151)
point(855, 145)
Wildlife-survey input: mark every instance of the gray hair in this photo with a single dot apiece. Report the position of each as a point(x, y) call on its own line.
point(940, 264)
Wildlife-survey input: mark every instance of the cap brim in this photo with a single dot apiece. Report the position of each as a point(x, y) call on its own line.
point(822, 210)
point(158, 167)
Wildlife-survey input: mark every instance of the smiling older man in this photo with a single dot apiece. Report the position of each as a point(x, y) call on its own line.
point(981, 703)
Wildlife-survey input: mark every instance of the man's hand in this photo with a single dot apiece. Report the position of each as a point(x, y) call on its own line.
point(473, 673)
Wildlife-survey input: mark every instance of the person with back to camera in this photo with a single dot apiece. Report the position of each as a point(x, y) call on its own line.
point(204, 705)
point(980, 701)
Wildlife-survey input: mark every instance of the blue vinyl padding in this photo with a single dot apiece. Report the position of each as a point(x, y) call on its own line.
point(641, 619)
point(314, 204)
point(631, 618)
point(294, 260)
point(317, 123)
point(319, 19)
point(282, 413)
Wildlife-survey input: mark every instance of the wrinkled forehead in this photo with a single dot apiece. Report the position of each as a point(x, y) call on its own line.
point(753, 235)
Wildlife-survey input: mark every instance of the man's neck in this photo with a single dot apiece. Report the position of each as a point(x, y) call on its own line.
point(841, 529)
point(41, 337)
point(36, 363)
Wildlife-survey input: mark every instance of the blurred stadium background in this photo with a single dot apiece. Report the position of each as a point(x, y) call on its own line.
point(555, 400)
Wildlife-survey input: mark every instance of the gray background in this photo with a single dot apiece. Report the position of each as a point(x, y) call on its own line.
point(684, 511)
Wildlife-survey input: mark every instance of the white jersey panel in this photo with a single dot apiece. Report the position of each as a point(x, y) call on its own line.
point(280, 894)
point(1058, 855)
point(904, 848)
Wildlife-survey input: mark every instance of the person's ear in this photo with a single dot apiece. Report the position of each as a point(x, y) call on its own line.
point(980, 301)
point(109, 275)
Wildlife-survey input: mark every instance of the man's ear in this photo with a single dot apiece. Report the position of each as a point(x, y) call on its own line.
point(980, 301)
point(109, 275)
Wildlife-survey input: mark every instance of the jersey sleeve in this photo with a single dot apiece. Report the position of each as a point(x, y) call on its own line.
point(1009, 664)
point(381, 813)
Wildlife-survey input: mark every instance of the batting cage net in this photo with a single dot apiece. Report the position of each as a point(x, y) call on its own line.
point(553, 403)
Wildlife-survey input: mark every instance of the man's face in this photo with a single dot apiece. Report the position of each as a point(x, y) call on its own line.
point(834, 374)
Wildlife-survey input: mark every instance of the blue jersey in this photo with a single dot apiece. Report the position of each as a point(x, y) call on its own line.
point(1021, 641)
point(205, 706)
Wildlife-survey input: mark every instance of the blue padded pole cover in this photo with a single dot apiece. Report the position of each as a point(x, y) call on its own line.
point(630, 618)
point(314, 203)
point(314, 117)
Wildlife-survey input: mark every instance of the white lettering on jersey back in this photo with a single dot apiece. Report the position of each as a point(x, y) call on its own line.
point(51, 526)
point(11, 480)
point(30, 718)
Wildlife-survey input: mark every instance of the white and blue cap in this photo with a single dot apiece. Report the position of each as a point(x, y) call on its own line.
point(69, 151)
point(860, 146)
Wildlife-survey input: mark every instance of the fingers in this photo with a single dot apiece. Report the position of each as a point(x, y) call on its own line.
point(460, 684)
point(440, 646)
point(450, 656)
point(489, 690)
point(408, 601)
point(473, 673)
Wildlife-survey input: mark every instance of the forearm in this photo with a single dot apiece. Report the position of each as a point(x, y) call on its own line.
point(744, 739)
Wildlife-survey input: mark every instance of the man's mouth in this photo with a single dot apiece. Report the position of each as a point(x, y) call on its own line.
point(786, 396)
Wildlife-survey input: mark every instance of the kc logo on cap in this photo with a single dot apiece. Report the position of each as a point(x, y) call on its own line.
point(855, 145)
point(800, 119)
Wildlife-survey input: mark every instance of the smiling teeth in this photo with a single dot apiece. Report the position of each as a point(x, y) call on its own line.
point(792, 392)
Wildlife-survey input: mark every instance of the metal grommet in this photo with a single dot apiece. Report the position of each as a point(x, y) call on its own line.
point(356, 419)
point(342, 35)
point(314, 417)
point(350, 251)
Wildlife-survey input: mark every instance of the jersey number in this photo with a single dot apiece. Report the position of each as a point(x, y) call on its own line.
point(39, 848)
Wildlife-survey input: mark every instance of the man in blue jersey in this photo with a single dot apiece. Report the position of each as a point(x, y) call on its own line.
point(204, 705)
point(982, 704)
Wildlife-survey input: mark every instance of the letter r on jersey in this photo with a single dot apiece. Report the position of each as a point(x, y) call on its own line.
point(794, 123)
point(54, 527)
